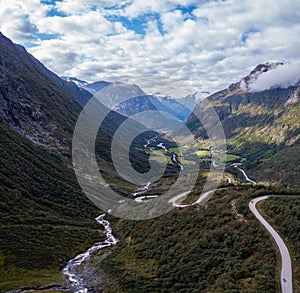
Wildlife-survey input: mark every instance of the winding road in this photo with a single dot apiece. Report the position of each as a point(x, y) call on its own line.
point(286, 275)
point(244, 173)
point(203, 197)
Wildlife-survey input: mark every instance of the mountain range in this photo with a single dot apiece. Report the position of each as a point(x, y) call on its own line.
point(130, 99)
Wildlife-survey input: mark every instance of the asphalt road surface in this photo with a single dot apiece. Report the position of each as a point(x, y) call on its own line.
point(286, 275)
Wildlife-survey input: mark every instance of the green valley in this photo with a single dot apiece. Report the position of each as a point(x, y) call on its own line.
point(46, 219)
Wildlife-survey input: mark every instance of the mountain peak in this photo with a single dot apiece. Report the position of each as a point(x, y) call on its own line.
point(260, 69)
point(115, 93)
point(264, 67)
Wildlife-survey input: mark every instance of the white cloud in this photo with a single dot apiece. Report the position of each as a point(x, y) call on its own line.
point(140, 7)
point(219, 43)
point(56, 55)
point(281, 76)
point(82, 6)
point(14, 25)
point(85, 27)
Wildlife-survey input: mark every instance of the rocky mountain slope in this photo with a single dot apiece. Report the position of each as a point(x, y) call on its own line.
point(34, 101)
point(262, 126)
point(45, 217)
point(39, 193)
point(44, 108)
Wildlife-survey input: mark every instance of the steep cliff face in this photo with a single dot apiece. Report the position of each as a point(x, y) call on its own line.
point(32, 102)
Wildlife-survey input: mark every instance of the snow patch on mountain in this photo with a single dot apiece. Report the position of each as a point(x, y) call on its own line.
point(78, 82)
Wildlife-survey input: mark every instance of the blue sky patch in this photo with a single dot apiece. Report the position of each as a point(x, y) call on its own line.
point(29, 45)
point(55, 12)
point(246, 34)
point(47, 36)
point(186, 9)
point(138, 24)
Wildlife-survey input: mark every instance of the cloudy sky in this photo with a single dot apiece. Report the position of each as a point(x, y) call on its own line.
point(171, 47)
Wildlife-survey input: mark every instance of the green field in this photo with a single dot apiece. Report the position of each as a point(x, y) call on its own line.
point(228, 157)
point(203, 154)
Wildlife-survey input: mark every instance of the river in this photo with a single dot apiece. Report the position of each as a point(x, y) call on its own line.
point(174, 157)
point(70, 270)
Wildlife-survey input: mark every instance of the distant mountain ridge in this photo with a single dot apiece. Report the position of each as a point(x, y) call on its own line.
point(145, 103)
point(113, 94)
point(130, 99)
point(94, 87)
point(78, 82)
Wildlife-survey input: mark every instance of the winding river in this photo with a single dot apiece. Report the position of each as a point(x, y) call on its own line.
point(174, 157)
point(70, 270)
